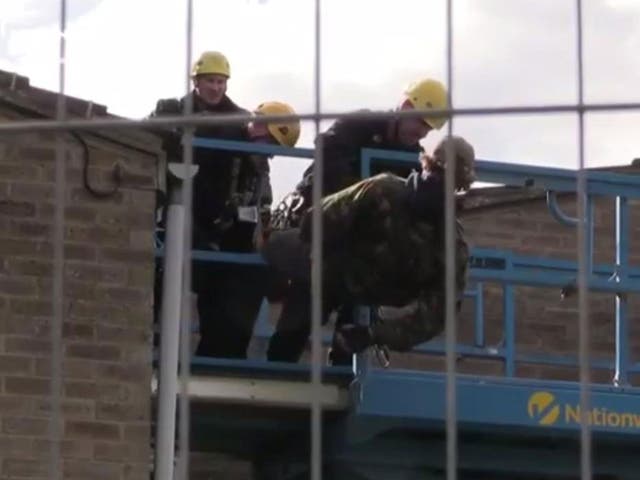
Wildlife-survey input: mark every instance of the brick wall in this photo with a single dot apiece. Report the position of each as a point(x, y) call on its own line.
point(106, 345)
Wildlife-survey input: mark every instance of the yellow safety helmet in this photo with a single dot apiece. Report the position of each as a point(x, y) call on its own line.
point(428, 94)
point(211, 63)
point(285, 132)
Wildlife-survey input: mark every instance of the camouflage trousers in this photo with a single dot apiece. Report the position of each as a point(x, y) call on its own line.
point(398, 328)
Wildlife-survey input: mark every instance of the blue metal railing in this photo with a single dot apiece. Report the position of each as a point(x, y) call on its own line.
point(620, 280)
point(499, 266)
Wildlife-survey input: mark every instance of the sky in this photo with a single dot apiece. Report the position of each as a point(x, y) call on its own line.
point(126, 54)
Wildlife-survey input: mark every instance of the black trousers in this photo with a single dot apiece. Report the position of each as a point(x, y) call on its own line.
point(229, 297)
point(229, 300)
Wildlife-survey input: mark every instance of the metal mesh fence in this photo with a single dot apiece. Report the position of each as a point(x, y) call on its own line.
point(189, 121)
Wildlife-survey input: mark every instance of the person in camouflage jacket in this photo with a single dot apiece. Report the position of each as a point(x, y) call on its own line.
point(383, 244)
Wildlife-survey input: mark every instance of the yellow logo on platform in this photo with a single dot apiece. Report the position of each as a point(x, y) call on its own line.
point(543, 408)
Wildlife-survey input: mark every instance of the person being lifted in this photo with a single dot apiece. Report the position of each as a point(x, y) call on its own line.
point(383, 245)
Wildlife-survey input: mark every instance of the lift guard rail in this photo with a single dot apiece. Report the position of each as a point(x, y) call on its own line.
point(501, 266)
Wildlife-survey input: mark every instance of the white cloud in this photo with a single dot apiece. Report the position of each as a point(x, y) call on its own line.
point(128, 54)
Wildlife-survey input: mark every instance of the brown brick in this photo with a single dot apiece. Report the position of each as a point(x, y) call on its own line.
point(77, 389)
point(137, 471)
point(15, 365)
point(19, 286)
point(129, 218)
point(11, 445)
point(80, 214)
point(136, 354)
point(93, 352)
point(124, 295)
point(26, 345)
point(42, 153)
point(92, 430)
point(71, 369)
point(78, 331)
point(135, 317)
point(12, 208)
point(69, 408)
point(68, 448)
point(101, 390)
point(31, 307)
point(79, 252)
point(35, 192)
point(123, 373)
point(137, 433)
point(29, 266)
point(85, 469)
point(121, 335)
point(126, 255)
point(97, 234)
point(73, 175)
point(143, 198)
point(90, 393)
point(111, 452)
point(122, 412)
point(30, 229)
point(11, 247)
point(73, 213)
point(14, 405)
point(141, 239)
point(121, 452)
point(141, 276)
point(25, 326)
point(13, 467)
point(27, 386)
point(96, 273)
point(17, 172)
point(24, 426)
point(74, 289)
point(97, 312)
point(114, 393)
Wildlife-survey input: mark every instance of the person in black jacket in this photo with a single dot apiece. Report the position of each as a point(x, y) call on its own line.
point(229, 191)
point(343, 142)
point(341, 147)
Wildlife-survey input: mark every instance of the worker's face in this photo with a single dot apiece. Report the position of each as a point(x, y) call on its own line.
point(211, 88)
point(411, 130)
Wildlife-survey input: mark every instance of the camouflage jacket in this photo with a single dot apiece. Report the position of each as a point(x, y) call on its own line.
point(379, 252)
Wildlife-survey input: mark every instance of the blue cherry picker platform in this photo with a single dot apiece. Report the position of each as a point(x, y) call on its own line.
point(389, 423)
